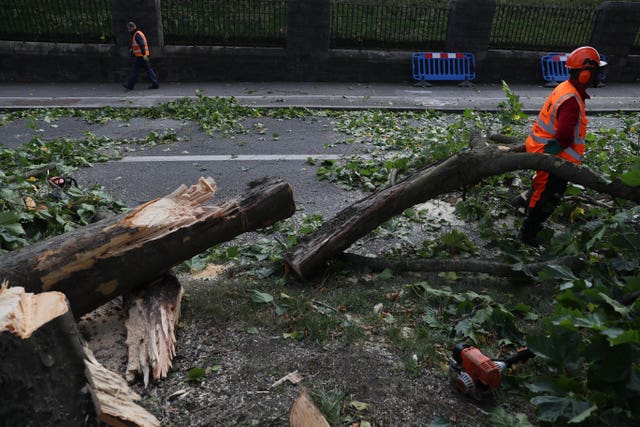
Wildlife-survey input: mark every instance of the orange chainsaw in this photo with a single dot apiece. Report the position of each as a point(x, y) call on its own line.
point(475, 374)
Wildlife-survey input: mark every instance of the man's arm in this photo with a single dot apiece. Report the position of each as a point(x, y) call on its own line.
point(568, 115)
point(140, 41)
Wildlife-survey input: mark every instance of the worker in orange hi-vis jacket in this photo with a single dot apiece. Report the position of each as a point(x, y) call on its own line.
point(560, 129)
point(140, 50)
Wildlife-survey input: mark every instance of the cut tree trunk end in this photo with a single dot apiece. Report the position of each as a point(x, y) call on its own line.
point(94, 264)
point(310, 256)
point(46, 368)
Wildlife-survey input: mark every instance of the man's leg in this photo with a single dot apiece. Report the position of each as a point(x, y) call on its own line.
point(547, 194)
point(152, 75)
point(133, 75)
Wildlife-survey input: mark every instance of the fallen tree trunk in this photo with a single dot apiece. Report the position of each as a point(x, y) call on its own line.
point(94, 264)
point(46, 368)
point(494, 268)
point(467, 168)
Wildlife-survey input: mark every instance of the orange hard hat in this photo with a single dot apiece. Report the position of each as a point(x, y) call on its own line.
point(584, 57)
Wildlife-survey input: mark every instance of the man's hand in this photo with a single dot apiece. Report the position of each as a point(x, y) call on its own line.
point(146, 58)
point(552, 147)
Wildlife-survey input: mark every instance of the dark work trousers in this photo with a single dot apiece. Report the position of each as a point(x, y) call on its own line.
point(549, 201)
point(139, 62)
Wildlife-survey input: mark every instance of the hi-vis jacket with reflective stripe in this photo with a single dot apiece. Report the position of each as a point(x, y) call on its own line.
point(137, 49)
point(544, 129)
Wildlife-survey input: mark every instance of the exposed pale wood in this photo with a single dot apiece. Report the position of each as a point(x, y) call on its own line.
point(153, 314)
point(94, 264)
point(42, 378)
point(304, 412)
point(22, 313)
point(113, 399)
point(46, 368)
point(309, 257)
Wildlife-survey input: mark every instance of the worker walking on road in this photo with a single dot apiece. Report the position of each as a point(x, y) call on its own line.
point(140, 50)
point(560, 129)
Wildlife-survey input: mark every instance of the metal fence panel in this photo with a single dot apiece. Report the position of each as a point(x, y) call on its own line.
point(636, 44)
point(388, 26)
point(225, 22)
point(541, 27)
point(73, 21)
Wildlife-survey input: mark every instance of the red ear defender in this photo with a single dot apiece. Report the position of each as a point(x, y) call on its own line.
point(584, 76)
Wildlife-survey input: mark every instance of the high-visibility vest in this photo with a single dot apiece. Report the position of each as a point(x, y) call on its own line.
point(544, 128)
point(137, 49)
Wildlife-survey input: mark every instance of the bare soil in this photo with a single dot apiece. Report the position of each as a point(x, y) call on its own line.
point(241, 369)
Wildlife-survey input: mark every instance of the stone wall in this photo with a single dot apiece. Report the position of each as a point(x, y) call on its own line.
point(307, 55)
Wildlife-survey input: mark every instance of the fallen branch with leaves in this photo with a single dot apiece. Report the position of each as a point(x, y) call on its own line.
point(311, 255)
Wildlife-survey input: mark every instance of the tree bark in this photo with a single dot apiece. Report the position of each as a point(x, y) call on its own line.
point(494, 268)
point(94, 264)
point(42, 360)
point(46, 368)
point(309, 257)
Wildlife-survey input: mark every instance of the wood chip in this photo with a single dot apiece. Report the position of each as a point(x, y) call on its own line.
point(304, 413)
point(293, 377)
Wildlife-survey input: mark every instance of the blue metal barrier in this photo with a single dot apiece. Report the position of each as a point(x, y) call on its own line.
point(554, 70)
point(443, 66)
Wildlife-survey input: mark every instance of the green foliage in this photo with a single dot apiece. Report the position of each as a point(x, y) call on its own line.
point(451, 243)
point(32, 210)
point(398, 144)
point(510, 111)
point(329, 403)
point(469, 316)
point(591, 342)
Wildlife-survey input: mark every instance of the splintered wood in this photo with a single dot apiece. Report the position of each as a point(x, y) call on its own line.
point(153, 315)
point(113, 399)
point(304, 413)
point(22, 313)
point(94, 264)
point(47, 368)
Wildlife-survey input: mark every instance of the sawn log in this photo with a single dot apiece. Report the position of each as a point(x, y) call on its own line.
point(94, 264)
point(46, 368)
point(309, 257)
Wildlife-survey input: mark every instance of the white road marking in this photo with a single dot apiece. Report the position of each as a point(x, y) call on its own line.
point(227, 158)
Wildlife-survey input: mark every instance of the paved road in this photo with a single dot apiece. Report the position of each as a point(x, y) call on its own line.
point(444, 97)
point(233, 162)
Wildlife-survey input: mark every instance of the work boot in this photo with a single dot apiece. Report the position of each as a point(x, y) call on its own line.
point(531, 226)
point(154, 86)
point(528, 238)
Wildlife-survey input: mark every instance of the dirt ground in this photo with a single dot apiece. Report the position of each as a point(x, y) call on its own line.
point(241, 369)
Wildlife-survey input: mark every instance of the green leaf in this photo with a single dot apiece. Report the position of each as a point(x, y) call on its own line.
point(560, 348)
point(252, 330)
point(360, 406)
point(261, 297)
point(439, 421)
point(195, 374)
point(501, 418)
point(554, 408)
point(386, 274)
point(583, 415)
point(296, 335)
point(619, 308)
point(618, 337)
point(632, 177)
point(544, 386)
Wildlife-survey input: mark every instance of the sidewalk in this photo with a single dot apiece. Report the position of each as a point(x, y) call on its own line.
point(400, 96)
